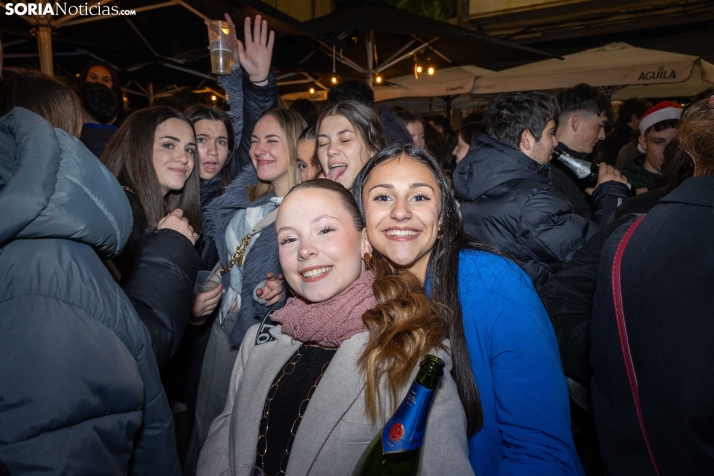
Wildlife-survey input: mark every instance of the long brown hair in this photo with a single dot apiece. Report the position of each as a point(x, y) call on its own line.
point(44, 95)
point(696, 138)
point(403, 326)
point(129, 156)
point(442, 271)
point(291, 126)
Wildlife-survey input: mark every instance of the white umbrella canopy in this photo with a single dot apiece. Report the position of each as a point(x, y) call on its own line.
point(444, 82)
point(616, 64)
point(701, 79)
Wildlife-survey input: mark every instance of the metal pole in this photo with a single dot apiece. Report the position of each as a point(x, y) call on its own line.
point(370, 58)
point(44, 45)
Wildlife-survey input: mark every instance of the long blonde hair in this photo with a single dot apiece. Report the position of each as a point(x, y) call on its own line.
point(291, 126)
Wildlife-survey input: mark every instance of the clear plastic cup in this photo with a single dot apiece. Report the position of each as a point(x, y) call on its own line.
point(206, 281)
point(219, 35)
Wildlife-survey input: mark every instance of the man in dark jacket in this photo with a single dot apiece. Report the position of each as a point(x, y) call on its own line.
point(80, 390)
point(657, 129)
point(506, 187)
point(584, 111)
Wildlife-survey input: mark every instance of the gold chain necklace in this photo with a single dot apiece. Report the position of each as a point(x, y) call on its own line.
point(303, 406)
point(239, 253)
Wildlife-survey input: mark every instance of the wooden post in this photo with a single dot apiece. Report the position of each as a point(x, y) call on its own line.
point(44, 45)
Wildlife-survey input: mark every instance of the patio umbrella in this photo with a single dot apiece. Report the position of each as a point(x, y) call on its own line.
point(615, 65)
point(445, 82)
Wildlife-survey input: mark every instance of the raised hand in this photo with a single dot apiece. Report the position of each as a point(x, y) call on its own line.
point(255, 53)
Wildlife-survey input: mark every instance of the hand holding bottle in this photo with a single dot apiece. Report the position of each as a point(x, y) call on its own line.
point(607, 173)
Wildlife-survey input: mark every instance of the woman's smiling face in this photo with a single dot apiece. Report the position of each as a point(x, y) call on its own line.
point(269, 152)
point(320, 249)
point(173, 154)
point(402, 206)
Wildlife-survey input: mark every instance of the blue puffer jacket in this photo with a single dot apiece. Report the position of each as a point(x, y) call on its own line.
point(80, 391)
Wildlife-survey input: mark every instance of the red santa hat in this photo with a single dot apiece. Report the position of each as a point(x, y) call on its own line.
point(664, 111)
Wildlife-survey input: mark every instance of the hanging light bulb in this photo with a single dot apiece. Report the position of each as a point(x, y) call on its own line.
point(334, 80)
point(213, 98)
point(417, 66)
point(430, 69)
point(378, 80)
point(312, 90)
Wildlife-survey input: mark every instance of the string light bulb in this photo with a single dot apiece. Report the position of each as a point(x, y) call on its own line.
point(334, 80)
point(378, 80)
point(312, 90)
point(430, 71)
point(213, 98)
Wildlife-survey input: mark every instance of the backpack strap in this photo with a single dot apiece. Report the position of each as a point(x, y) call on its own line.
point(622, 334)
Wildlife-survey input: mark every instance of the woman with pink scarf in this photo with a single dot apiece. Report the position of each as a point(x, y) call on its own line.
point(316, 381)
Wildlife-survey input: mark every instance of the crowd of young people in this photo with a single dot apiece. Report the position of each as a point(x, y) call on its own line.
point(345, 254)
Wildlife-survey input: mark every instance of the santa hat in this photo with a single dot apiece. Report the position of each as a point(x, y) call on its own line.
point(664, 111)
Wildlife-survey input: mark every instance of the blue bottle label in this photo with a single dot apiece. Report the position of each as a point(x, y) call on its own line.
point(405, 430)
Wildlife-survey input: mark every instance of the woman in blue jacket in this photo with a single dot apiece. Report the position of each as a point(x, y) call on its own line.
point(506, 362)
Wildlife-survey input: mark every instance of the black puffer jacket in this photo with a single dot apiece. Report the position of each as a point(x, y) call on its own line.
point(508, 201)
point(80, 392)
point(158, 270)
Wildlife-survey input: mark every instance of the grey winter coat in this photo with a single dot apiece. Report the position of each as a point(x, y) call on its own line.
point(335, 429)
point(260, 260)
point(80, 391)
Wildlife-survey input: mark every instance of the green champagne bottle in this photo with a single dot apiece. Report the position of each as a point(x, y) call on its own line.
point(397, 449)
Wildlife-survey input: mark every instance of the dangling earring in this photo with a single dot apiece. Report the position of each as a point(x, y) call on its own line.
point(367, 258)
point(440, 231)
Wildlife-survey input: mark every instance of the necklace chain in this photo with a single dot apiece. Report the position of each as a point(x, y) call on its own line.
point(239, 253)
point(288, 369)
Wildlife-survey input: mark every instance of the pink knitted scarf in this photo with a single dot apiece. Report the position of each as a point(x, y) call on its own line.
point(330, 322)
